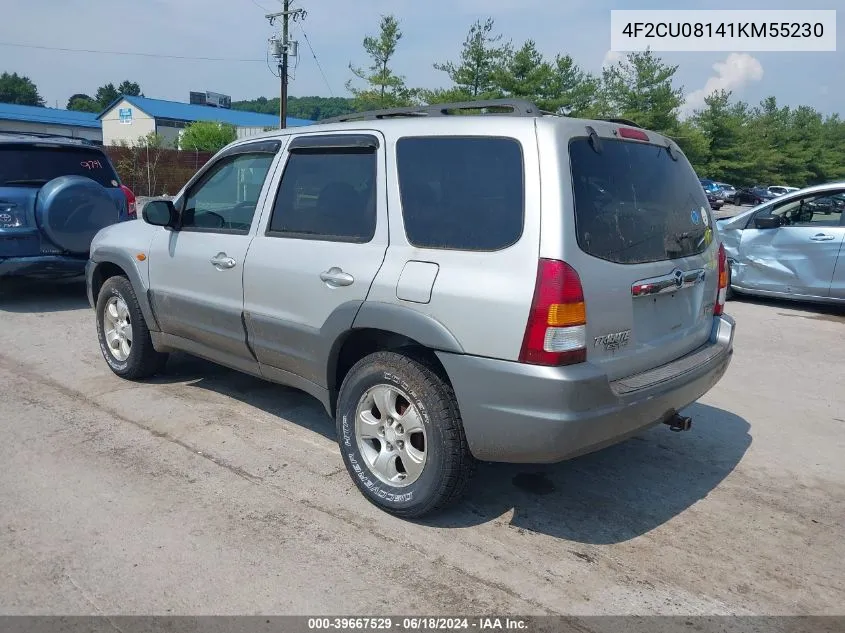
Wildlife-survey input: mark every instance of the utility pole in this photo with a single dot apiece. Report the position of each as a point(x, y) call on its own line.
point(283, 70)
point(282, 48)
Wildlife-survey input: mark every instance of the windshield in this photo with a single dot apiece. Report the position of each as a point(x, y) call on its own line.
point(36, 165)
point(635, 204)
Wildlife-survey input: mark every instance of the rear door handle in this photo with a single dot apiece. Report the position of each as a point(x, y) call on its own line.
point(335, 277)
point(222, 260)
point(822, 237)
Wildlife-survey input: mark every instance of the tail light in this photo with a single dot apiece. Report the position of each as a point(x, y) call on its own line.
point(130, 201)
point(556, 333)
point(723, 281)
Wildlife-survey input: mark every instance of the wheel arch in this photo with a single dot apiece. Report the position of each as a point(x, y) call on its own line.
point(386, 327)
point(110, 264)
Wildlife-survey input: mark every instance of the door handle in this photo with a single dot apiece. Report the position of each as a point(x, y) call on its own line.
point(822, 237)
point(335, 277)
point(222, 260)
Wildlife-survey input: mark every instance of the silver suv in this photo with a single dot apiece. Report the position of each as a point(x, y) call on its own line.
point(511, 286)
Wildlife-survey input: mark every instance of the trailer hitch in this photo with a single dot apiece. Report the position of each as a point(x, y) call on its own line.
point(678, 423)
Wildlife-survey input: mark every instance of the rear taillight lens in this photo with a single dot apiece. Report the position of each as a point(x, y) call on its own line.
point(130, 201)
point(556, 332)
point(723, 281)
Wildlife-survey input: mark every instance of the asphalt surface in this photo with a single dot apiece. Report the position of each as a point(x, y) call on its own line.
point(209, 492)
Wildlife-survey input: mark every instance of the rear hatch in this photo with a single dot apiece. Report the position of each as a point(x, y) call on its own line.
point(24, 169)
point(641, 237)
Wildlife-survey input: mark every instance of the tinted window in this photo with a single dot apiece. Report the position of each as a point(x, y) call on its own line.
point(34, 165)
point(225, 198)
point(634, 204)
point(327, 194)
point(461, 193)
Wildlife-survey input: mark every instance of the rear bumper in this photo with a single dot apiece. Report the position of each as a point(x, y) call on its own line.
point(528, 414)
point(45, 266)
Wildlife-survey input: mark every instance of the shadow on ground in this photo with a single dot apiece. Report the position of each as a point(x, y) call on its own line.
point(609, 496)
point(615, 494)
point(278, 400)
point(30, 296)
point(818, 311)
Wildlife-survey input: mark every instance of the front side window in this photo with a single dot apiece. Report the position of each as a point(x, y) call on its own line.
point(461, 193)
point(226, 197)
point(327, 194)
point(822, 209)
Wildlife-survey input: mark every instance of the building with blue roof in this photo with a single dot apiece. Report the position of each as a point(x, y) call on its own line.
point(50, 121)
point(129, 118)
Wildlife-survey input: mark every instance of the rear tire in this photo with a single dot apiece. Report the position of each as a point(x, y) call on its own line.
point(123, 334)
point(401, 435)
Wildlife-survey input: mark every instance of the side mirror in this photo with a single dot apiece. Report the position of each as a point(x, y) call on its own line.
point(160, 213)
point(767, 222)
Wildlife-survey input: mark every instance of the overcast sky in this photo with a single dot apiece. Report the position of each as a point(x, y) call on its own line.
point(433, 31)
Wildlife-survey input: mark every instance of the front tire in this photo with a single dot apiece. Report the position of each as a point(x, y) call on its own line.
point(123, 334)
point(401, 436)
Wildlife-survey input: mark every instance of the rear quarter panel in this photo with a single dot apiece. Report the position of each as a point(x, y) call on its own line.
point(482, 298)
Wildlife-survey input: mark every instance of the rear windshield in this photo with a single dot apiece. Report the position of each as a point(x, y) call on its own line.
point(37, 165)
point(635, 204)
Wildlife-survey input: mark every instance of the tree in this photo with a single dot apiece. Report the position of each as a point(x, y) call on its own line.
point(482, 55)
point(106, 94)
point(207, 136)
point(130, 88)
point(640, 88)
point(383, 88)
point(81, 102)
point(15, 88)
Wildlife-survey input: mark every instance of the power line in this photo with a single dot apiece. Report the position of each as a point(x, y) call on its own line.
point(88, 50)
point(314, 55)
point(260, 7)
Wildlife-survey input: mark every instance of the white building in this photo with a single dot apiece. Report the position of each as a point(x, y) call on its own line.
point(130, 118)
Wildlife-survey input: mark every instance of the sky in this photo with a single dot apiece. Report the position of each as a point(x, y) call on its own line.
point(432, 31)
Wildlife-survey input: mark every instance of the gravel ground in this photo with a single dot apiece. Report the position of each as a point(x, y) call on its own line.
point(209, 492)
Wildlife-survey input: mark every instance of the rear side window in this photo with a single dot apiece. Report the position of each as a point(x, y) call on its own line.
point(327, 195)
point(635, 204)
point(38, 164)
point(461, 193)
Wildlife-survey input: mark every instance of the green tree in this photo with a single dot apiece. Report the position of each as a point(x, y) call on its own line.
point(15, 88)
point(83, 103)
point(130, 88)
point(383, 88)
point(106, 94)
point(640, 88)
point(481, 57)
point(207, 136)
point(724, 125)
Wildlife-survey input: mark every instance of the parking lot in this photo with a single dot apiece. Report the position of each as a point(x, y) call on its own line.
point(207, 491)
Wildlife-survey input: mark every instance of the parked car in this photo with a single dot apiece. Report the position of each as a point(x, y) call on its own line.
point(790, 247)
point(55, 194)
point(779, 190)
point(753, 196)
point(512, 287)
point(728, 191)
point(714, 193)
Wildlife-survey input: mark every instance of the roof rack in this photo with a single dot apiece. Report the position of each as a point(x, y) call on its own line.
point(623, 122)
point(506, 107)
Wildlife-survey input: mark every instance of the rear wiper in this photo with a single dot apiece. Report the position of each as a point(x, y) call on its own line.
point(27, 181)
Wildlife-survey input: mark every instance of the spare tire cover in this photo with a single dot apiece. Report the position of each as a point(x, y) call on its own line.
point(71, 209)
